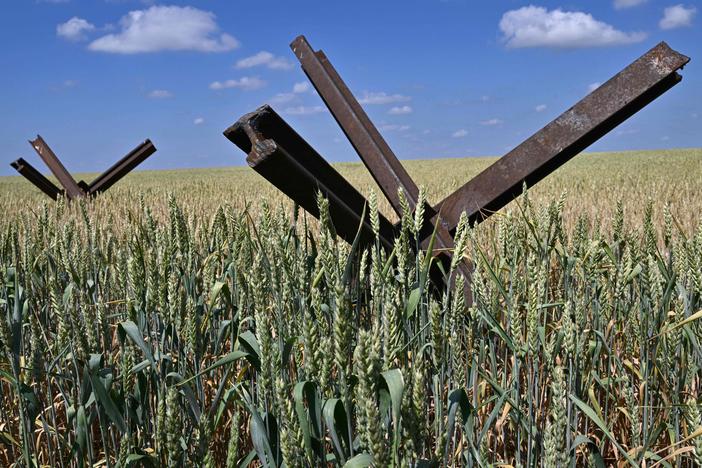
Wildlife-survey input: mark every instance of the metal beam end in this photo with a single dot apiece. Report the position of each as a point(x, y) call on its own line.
point(246, 135)
point(243, 133)
point(301, 39)
point(664, 60)
point(261, 151)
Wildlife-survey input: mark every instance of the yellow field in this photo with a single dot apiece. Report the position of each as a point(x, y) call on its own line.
point(594, 183)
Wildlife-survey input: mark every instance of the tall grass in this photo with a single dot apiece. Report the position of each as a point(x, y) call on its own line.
point(255, 336)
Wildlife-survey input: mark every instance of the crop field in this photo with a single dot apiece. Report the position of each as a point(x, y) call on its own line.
point(195, 318)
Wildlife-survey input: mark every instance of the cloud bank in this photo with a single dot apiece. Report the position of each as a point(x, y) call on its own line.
point(677, 16)
point(534, 26)
point(74, 29)
point(166, 28)
point(265, 59)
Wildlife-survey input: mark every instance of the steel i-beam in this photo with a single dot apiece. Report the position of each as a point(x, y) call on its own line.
point(122, 167)
point(37, 178)
point(287, 161)
point(622, 96)
point(382, 163)
point(49, 157)
point(376, 154)
point(384, 166)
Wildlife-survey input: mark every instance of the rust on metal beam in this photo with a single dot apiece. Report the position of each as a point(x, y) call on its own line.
point(376, 154)
point(37, 178)
point(287, 161)
point(382, 163)
point(52, 161)
point(622, 96)
point(122, 167)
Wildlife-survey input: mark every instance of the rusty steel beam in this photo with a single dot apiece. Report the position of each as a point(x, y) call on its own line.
point(623, 95)
point(287, 161)
point(121, 168)
point(376, 154)
point(35, 177)
point(49, 157)
point(382, 163)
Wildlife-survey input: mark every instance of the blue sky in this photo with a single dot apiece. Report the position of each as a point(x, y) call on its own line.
point(440, 78)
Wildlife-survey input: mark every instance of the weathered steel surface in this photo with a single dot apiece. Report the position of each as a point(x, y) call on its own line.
point(47, 155)
point(379, 159)
point(374, 151)
point(382, 163)
point(288, 162)
point(37, 178)
point(577, 128)
point(77, 189)
point(122, 167)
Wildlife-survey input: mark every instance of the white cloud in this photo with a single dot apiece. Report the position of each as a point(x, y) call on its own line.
point(298, 88)
point(621, 4)
point(593, 86)
point(540, 108)
point(282, 98)
point(199, 121)
point(304, 110)
point(399, 110)
point(383, 98)
point(74, 29)
point(266, 59)
point(459, 133)
point(301, 87)
point(491, 122)
point(160, 94)
point(162, 28)
point(677, 16)
point(247, 83)
point(394, 128)
point(534, 26)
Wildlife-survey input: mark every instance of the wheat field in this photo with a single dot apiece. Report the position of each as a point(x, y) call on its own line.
point(195, 318)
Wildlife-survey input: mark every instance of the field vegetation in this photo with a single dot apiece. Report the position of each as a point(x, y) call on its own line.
point(196, 318)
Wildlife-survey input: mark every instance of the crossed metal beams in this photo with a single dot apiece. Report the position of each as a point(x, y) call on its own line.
point(71, 188)
point(280, 155)
point(595, 115)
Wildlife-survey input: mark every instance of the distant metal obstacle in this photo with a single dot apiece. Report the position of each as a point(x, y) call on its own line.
point(283, 157)
point(71, 188)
